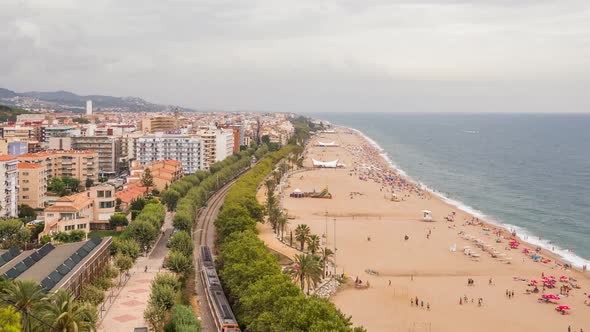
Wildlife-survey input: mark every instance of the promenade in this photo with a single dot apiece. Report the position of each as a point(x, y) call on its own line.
point(126, 312)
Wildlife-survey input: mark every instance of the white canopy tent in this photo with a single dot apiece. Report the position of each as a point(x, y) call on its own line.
point(325, 164)
point(331, 144)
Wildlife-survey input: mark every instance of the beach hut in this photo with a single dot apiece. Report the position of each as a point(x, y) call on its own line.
point(426, 215)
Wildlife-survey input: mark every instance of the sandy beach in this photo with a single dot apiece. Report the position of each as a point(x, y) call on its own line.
point(371, 212)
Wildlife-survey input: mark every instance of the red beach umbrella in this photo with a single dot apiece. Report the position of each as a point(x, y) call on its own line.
point(563, 307)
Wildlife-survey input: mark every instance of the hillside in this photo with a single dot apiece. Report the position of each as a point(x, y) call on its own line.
point(64, 100)
point(8, 113)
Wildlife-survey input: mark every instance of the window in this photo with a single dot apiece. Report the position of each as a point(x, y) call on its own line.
point(25, 189)
point(81, 226)
point(25, 173)
point(108, 194)
point(107, 205)
point(25, 181)
point(25, 197)
point(69, 227)
point(100, 193)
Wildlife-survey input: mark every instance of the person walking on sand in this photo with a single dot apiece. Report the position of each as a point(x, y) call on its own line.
point(422, 304)
point(390, 282)
point(460, 301)
point(428, 306)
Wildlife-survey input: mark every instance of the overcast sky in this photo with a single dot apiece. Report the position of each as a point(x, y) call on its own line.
point(306, 55)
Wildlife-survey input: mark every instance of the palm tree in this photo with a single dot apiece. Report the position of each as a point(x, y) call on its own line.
point(64, 313)
point(25, 296)
point(313, 243)
point(301, 233)
point(325, 258)
point(282, 221)
point(306, 270)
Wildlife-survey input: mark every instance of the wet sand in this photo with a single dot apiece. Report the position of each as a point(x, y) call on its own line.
point(418, 267)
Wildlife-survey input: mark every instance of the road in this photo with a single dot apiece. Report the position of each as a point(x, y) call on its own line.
point(204, 234)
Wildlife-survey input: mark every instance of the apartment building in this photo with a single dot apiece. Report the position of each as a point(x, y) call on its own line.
point(58, 131)
point(81, 165)
point(108, 149)
point(158, 123)
point(8, 187)
point(17, 133)
point(32, 182)
point(89, 210)
point(186, 149)
point(217, 143)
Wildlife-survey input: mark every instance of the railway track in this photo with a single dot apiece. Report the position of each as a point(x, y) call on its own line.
point(204, 234)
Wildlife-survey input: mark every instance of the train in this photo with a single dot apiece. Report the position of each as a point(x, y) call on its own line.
point(223, 317)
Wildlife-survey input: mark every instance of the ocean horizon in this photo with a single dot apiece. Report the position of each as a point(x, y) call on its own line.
point(526, 172)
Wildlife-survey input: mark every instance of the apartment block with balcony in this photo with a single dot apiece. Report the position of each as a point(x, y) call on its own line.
point(183, 148)
point(218, 144)
point(8, 187)
point(89, 210)
point(164, 172)
point(32, 181)
point(108, 149)
point(158, 123)
point(81, 165)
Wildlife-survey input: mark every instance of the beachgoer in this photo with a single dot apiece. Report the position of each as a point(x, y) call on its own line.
point(145, 269)
point(460, 301)
point(411, 302)
point(428, 306)
point(389, 282)
point(422, 304)
point(416, 301)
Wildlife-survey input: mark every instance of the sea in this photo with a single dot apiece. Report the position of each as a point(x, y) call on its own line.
point(527, 172)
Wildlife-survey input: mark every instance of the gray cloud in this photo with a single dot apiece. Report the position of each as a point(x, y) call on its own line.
point(306, 55)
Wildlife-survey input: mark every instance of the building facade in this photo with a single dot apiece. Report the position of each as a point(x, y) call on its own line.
point(89, 210)
point(32, 182)
point(158, 123)
point(108, 149)
point(8, 187)
point(81, 165)
point(186, 149)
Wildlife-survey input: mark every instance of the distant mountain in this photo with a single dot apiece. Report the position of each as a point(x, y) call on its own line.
point(64, 100)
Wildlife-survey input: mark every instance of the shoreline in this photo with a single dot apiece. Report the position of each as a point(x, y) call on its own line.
point(525, 237)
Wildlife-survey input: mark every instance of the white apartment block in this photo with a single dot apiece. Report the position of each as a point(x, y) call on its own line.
point(218, 144)
point(8, 187)
point(186, 149)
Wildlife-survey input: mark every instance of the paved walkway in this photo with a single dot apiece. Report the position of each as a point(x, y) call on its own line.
point(126, 312)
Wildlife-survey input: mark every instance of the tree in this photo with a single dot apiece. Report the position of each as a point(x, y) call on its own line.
point(123, 263)
point(306, 270)
point(25, 296)
point(143, 232)
point(162, 295)
point(177, 262)
point(12, 233)
point(118, 220)
point(138, 204)
point(170, 197)
point(26, 212)
point(301, 233)
point(181, 241)
point(71, 183)
point(92, 294)
point(81, 120)
point(147, 180)
point(155, 316)
point(64, 313)
point(9, 320)
point(282, 222)
point(184, 319)
point(313, 243)
point(56, 185)
point(326, 255)
point(89, 183)
point(126, 247)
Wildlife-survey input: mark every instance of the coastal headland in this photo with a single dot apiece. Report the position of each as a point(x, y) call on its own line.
point(451, 273)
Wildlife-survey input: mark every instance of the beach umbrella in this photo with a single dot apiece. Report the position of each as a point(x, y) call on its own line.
point(563, 278)
point(563, 308)
point(551, 277)
point(534, 282)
